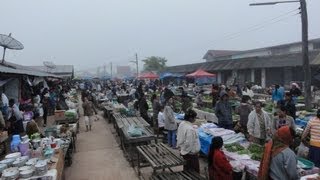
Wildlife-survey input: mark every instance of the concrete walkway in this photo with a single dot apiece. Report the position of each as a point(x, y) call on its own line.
point(98, 155)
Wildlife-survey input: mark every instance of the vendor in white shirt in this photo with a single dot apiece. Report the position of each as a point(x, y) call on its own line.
point(161, 119)
point(188, 142)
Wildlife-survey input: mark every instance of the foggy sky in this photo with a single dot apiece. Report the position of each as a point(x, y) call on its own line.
point(90, 33)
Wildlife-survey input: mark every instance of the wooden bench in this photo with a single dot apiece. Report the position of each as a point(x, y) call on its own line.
point(182, 175)
point(159, 156)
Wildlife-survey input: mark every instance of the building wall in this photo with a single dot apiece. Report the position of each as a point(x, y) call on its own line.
point(11, 89)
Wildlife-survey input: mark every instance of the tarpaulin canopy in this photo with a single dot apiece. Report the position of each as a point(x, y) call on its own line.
point(200, 73)
point(148, 75)
point(169, 74)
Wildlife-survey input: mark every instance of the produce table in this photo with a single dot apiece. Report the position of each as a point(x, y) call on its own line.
point(129, 142)
point(122, 121)
point(178, 175)
point(159, 156)
point(206, 115)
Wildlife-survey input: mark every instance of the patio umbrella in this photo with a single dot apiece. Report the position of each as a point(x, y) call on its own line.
point(200, 73)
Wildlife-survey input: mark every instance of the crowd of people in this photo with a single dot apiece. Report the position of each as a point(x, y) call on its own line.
point(276, 131)
point(17, 115)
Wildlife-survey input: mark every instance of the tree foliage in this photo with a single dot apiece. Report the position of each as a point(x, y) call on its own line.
point(154, 63)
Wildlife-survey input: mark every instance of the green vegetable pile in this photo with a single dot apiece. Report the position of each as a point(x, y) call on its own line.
point(234, 147)
point(268, 107)
point(208, 110)
point(255, 150)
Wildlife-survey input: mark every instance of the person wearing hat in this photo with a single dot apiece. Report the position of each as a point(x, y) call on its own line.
point(313, 129)
point(295, 92)
point(279, 161)
point(224, 112)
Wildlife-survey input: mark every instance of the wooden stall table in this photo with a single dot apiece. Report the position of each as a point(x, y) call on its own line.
point(3, 142)
point(120, 121)
point(159, 156)
point(108, 112)
point(58, 164)
point(128, 142)
point(187, 175)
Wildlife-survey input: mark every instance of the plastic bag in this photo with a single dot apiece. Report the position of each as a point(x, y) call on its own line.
point(303, 151)
point(135, 131)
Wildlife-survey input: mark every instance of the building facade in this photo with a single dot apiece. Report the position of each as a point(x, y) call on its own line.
point(280, 64)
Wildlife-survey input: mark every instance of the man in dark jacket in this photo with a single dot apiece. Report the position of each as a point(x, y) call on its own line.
point(289, 105)
point(224, 112)
point(143, 108)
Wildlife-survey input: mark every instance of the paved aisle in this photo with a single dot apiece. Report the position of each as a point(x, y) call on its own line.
point(99, 156)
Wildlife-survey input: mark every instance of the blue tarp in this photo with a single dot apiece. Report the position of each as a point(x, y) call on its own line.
point(168, 74)
point(205, 141)
point(205, 80)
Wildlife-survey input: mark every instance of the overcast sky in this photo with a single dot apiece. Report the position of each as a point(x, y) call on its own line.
point(90, 33)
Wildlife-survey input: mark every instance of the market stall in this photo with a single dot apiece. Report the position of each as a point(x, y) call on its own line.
point(45, 158)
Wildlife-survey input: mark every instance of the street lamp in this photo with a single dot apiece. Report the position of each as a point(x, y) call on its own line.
point(305, 48)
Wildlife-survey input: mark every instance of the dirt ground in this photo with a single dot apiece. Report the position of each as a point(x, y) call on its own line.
point(99, 157)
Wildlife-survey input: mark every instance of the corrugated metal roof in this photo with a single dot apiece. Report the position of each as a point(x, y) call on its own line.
point(290, 60)
point(58, 69)
point(11, 68)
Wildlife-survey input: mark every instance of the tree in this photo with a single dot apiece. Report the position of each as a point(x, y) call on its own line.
point(154, 63)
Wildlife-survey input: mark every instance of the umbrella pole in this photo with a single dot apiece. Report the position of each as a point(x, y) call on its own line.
point(4, 54)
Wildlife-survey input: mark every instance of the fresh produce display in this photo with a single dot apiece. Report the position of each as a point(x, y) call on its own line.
point(245, 151)
point(256, 156)
point(269, 107)
point(255, 148)
point(234, 147)
point(208, 110)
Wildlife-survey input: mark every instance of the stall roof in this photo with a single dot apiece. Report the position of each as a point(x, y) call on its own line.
point(11, 68)
point(289, 60)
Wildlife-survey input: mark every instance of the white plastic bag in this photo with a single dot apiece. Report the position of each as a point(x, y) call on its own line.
point(303, 150)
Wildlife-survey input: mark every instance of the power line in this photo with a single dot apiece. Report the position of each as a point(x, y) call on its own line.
point(258, 26)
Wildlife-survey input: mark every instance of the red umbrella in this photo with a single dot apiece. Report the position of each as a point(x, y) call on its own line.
point(148, 75)
point(200, 73)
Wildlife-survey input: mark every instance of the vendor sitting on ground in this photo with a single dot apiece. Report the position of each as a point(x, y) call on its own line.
point(188, 141)
point(32, 128)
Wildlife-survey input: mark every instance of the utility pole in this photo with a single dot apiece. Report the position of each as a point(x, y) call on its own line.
point(305, 54)
point(137, 63)
point(305, 47)
point(110, 70)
